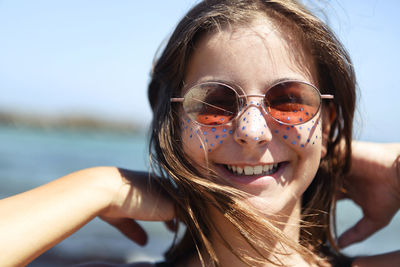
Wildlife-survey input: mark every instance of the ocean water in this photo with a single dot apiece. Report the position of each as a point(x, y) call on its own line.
point(31, 157)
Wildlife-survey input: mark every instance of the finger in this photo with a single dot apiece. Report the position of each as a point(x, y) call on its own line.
point(363, 229)
point(130, 228)
point(172, 225)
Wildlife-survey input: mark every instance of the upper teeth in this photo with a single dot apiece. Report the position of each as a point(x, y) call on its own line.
point(253, 170)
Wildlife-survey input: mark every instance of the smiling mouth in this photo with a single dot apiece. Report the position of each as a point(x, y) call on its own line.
point(265, 169)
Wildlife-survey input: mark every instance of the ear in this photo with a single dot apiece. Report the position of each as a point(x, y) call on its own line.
point(328, 116)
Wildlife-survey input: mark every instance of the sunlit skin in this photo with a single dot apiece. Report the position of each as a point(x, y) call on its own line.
point(254, 57)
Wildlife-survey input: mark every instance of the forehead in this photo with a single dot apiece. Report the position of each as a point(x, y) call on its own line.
point(240, 53)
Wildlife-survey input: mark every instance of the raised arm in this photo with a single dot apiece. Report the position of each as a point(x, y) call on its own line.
point(374, 185)
point(34, 221)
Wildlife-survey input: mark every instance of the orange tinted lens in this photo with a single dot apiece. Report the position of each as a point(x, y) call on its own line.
point(211, 103)
point(213, 119)
point(292, 102)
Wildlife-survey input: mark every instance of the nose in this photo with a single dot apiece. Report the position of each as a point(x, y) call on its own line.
point(252, 129)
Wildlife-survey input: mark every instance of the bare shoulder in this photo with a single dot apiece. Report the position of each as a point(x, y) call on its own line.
point(106, 264)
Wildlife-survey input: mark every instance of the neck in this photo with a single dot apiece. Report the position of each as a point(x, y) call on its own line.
point(288, 222)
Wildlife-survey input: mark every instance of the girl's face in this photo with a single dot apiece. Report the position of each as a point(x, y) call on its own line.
point(254, 57)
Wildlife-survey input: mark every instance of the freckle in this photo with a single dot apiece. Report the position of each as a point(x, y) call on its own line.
point(313, 143)
point(190, 136)
point(201, 146)
point(244, 127)
point(246, 135)
point(294, 111)
point(224, 135)
point(220, 142)
point(256, 138)
point(298, 137)
point(293, 142)
point(191, 129)
point(285, 137)
point(224, 130)
point(198, 131)
point(312, 121)
point(209, 150)
point(213, 129)
point(251, 102)
point(205, 133)
point(300, 119)
point(308, 140)
point(300, 127)
point(217, 136)
point(301, 109)
point(222, 119)
point(244, 118)
point(292, 126)
point(288, 118)
point(262, 132)
point(316, 136)
point(247, 121)
point(302, 145)
point(308, 129)
point(276, 131)
point(248, 113)
point(288, 128)
point(258, 104)
point(188, 120)
point(206, 140)
point(265, 126)
point(230, 131)
point(212, 145)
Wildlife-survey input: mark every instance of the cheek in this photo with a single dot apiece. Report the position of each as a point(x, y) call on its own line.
point(302, 137)
point(200, 140)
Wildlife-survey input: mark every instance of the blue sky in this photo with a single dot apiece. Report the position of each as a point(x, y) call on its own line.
point(94, 57)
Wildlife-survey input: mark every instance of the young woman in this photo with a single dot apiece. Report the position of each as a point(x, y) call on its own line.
point(253, 104)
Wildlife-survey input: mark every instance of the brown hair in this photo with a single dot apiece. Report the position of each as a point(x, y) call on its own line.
point(188, 186)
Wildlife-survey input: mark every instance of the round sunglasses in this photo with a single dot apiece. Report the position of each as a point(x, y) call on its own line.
point(288, 102)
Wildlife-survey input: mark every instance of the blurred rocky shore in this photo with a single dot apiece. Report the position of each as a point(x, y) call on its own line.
point(69, 121)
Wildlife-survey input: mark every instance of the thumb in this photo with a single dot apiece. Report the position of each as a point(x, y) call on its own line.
point(360, 231)
point(130, 228)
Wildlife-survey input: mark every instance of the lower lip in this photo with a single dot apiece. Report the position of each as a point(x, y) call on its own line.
point(254, 179)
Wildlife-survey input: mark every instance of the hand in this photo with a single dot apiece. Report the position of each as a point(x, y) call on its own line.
point(374, 185)
point(138, 198)
point(150, 203)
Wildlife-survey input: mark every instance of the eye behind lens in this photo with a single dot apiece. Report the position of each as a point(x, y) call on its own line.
point(292, 102)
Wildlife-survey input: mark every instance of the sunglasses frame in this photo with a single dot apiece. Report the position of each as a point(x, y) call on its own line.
point(244, 97)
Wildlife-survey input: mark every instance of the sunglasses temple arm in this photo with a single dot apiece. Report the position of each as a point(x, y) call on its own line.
point(327, 96)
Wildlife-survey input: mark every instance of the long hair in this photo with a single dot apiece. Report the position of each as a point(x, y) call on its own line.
point(189, 187)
